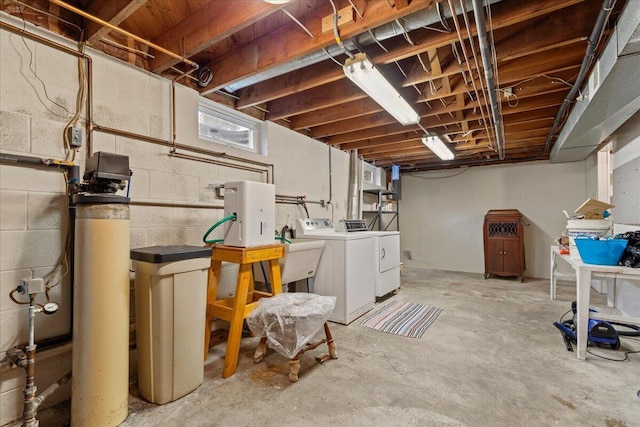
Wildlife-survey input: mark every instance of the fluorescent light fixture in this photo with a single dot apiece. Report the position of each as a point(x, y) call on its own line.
point(439, 148)
point(276, 1)
point(361, 71)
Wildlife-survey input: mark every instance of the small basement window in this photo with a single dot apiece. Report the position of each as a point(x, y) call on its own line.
point(227, 126)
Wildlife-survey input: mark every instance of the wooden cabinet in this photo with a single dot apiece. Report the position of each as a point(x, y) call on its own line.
point(504, 243)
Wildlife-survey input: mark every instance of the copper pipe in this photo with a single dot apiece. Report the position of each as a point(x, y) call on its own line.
point(173, 116)
point(123, 32)
point(175, 146)
point(219, 163)
point(174, 205)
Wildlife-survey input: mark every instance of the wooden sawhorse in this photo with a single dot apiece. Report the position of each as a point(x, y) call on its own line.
point(235, 309)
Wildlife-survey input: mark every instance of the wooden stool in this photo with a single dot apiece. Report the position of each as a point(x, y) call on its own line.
point(294, 364)
point(236, 308)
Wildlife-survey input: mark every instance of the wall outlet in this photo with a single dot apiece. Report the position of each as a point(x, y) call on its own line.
point(74, 135)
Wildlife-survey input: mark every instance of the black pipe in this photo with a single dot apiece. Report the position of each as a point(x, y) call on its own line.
point(73, 185)
point(17, 159)
point(488, 73)
point(594, 38)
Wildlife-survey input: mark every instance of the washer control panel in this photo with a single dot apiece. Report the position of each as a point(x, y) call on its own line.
point(311, 225)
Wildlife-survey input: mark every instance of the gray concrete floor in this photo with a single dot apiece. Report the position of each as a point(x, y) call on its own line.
point(492, 358)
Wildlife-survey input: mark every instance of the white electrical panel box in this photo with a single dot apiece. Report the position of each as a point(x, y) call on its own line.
point(254, 204)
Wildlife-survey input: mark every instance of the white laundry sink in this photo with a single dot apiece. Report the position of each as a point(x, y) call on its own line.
point(300, 261)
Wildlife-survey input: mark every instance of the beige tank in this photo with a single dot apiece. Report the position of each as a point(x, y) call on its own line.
point(100, 362)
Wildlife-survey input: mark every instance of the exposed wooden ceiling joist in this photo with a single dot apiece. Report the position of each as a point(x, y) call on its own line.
point(539, 47)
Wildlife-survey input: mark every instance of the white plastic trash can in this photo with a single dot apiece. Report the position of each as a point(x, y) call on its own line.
point(170, 296)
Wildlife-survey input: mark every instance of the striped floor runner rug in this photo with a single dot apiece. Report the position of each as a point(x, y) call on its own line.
point(402, 318)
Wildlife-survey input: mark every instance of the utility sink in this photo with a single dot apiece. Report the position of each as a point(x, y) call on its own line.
point(300, 261)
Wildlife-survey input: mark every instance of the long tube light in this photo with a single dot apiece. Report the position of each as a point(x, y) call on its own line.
point(439, 148)
point(362, 72)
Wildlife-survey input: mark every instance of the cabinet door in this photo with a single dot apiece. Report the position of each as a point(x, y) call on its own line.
point(494, 255)
point(511, 256)
point(389, 252)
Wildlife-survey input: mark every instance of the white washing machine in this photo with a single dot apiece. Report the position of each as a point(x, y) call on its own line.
point(387, 249)
point(347, 268)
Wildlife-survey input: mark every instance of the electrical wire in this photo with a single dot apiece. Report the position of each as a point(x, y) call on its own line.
point(496, 76)
point(405, 33)
point(60, 271)
point(44, 87)
point(439, 177)
point(336, 32)
point(13, 291)
point(128, 49)
point(48, 14)
point(300, 24)
point(82, 82)
point(441, 16)
point(484, 90)
point(626, 356)
point(509, 96)
point(55, 277)
point(331, 57)
point(466, 60)
point(356, 9)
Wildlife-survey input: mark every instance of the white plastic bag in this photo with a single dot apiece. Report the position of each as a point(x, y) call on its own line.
point(290, 320)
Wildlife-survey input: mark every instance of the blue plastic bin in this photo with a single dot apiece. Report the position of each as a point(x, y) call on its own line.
point(601, 252)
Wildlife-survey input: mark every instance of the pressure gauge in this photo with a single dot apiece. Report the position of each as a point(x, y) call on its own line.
point(50, 307)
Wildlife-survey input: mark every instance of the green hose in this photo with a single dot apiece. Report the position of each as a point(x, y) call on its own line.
point(283, 239)
point(231, 217)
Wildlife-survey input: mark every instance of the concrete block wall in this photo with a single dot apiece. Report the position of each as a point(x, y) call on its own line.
point(33, 205)
point(442, 213)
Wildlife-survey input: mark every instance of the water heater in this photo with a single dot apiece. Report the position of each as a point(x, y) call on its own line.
point(254, 205)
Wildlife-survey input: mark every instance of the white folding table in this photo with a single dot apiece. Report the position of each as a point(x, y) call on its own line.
point(584, 273)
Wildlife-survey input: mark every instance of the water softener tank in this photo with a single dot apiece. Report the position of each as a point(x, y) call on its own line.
point(100, 360)
point(100, 381)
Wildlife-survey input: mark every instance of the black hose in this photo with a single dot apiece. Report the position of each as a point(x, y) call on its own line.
point(266, 278)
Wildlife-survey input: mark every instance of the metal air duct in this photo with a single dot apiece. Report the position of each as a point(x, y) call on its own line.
point(611, 96)
point(422, 18)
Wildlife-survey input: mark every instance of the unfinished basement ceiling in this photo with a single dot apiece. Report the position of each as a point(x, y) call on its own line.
point(276, 63)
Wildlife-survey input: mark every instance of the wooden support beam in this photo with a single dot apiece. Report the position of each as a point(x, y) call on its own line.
point(289, 84)
point(287, 43)
point(113, 12)
point(504, 14)
point(212, 23)
point(315, 99)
